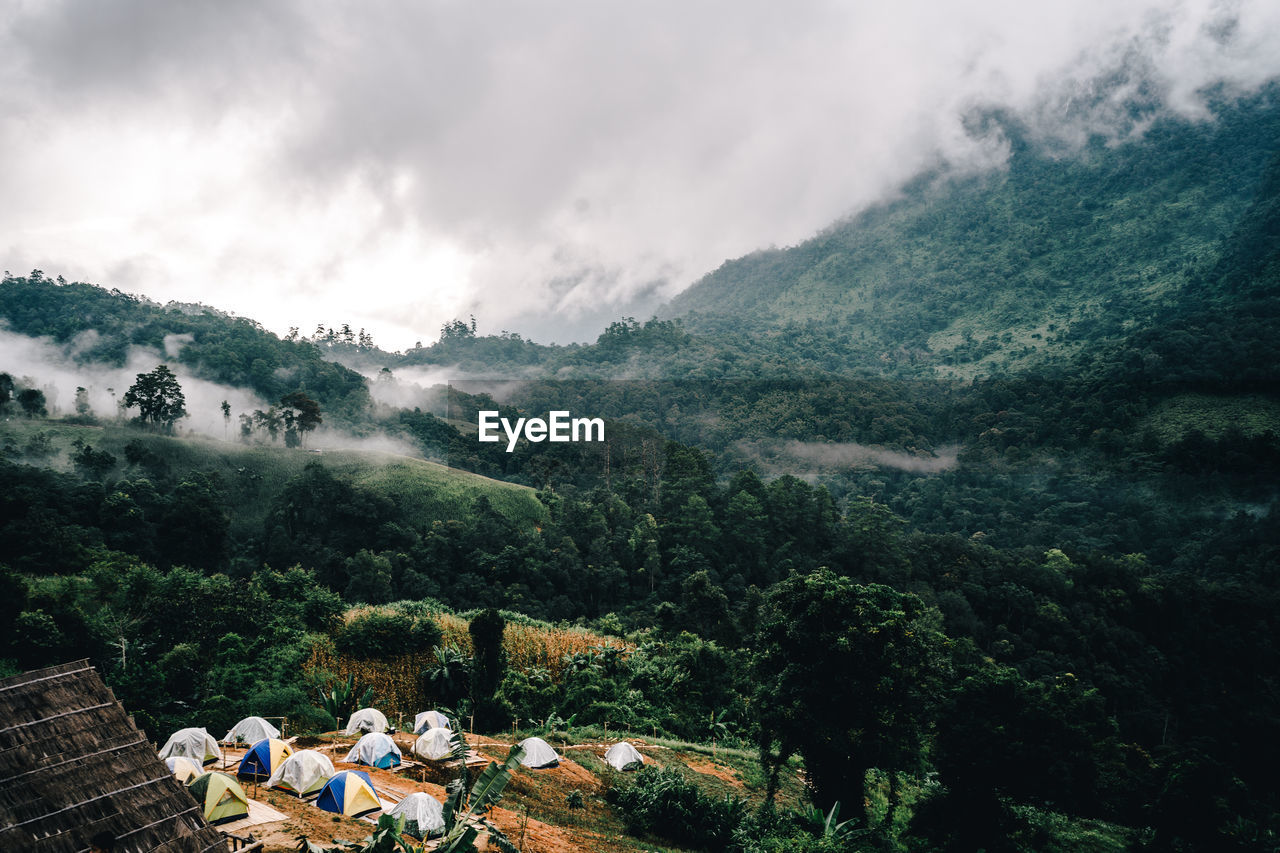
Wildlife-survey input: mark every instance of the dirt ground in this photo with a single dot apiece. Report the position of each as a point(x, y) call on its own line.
point(707, 768)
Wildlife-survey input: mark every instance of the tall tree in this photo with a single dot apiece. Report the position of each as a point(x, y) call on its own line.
point(158, 397)
point(849, 677)
point(487, 667)
point(301, 413)
point(32, 402)
point(82, 402)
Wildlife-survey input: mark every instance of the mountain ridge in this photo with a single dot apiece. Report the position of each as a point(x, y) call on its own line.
point(968, 274)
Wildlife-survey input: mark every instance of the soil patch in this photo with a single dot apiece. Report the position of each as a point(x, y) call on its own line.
point(707, 768)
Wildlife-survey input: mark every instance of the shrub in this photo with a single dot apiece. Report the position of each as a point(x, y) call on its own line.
point(378, 634)
point(662, 802)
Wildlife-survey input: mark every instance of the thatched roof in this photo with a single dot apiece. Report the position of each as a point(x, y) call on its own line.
point(73, 764)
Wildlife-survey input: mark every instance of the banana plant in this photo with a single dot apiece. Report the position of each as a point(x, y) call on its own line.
point(555, 722)
point(457, 744)
point(341, 700)
point(460, 835)
point(830, 824)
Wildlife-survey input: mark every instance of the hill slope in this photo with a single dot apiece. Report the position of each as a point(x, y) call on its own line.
point(965, 274)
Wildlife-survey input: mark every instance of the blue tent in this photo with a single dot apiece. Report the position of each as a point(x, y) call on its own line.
point(349, 793)
point(263, 758)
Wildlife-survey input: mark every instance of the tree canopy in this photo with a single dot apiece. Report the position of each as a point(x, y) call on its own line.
point(158, 397)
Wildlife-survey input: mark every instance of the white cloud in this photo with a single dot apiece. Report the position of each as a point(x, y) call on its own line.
point(545, 166)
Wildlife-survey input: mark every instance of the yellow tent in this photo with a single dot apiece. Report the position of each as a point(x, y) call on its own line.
point(221, 797)
point(349, 793)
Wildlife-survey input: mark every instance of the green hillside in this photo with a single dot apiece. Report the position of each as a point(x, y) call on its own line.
point(251, 478)
point(96, 325)
point(966, 274)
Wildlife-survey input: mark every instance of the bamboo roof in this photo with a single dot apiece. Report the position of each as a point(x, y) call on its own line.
point(73, 764)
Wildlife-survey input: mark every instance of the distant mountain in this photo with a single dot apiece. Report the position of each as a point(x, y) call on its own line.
point(96, 325)
point(969, 274)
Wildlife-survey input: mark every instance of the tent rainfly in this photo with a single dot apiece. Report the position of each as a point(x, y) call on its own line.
point(429, 720)
point(349, 793)
point(302, 773)
point(434, 744)
point(375, 749)
point(251, 730)
point(422, 813)
point(263, 758)
point(621, 755)
point(183, 768)
point(220, 796)
point(196, 744)
point(366, 720)
point(538, 754)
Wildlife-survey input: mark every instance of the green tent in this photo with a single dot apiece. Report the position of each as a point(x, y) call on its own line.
point(221, 797)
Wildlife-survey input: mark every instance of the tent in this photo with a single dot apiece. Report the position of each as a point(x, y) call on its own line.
point(251, 730)
point(220, 796)
point(303, 773)
point(183, 768)
point(349, 793)
point(366, 720)
point(263, 758)
point(422, 814)
point(434, 744)
point(430, 720)
point(196, 744)
point(621, 755)
point(538, 754)
point(375, 749)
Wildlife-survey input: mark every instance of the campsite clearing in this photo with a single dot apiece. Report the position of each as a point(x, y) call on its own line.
point(534, 812)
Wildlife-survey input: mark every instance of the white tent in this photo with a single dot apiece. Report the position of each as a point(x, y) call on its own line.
point(303, 773)
point(251, 730)
point(183, 768)
point(621, 754)
point(375, 749)
point(434, 744)
point(430, 720)
point(421, 809)
point(538, 754)
point(366, 720)
point(196, 744)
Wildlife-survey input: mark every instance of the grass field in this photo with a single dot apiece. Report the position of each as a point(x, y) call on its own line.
point(251, 476)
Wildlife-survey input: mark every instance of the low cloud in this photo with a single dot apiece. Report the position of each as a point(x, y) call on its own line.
point(43, 363)
point(543, 166)
point(851, 455)
point(811, 459)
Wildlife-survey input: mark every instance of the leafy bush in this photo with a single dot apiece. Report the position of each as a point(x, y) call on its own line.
point(662, 802)
point(379, 634)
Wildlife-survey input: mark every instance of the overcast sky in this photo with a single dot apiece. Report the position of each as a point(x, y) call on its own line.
point(547, 166)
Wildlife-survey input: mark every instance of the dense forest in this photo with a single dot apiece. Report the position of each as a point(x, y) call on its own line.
point(1020, 583)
